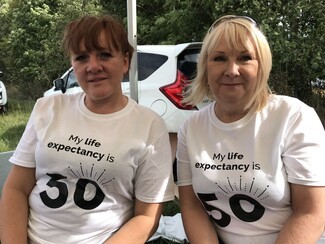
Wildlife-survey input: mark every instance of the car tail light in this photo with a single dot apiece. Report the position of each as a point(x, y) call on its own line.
point(175, 91)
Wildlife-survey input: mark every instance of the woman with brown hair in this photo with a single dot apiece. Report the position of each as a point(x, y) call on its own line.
point(93, 167)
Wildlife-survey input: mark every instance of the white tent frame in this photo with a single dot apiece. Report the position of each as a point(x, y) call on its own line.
point(132, 37)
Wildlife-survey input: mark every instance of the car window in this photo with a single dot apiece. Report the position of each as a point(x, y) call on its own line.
point(187, 62)
point(148, 63)
point(72, 80)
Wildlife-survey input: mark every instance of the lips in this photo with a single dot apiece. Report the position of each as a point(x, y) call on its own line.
point(231, 84)
point(96, 79)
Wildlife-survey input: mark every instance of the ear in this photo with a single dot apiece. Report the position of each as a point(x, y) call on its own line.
point(126, 60)
point(71, 59)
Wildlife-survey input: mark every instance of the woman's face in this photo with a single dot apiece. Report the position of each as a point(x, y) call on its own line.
point(100, 72)
point(232, 75)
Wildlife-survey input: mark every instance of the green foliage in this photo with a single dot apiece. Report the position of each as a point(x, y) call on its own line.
point(30, 23)
point(32, 41)
point(13, 123)
point(171, 22)
point(296, 34)
point(31, 33)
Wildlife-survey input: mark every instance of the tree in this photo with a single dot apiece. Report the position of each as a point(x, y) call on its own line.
point(295, 30)
point(33, 43)
point(30, 35)
point(4, 30)
point(171, 22)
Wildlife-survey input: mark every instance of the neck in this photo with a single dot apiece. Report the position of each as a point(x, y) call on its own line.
point(229, 114)
point(106, 106)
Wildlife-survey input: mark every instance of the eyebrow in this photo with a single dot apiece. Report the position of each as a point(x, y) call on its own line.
point(241, 52)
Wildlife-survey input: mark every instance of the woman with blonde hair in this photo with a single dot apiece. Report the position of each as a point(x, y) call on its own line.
point(251, 164)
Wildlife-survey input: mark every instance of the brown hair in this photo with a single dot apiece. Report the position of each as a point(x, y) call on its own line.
point(88, 29)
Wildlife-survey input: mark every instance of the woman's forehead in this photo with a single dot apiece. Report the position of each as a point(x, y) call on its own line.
point(100, 42)
point(240, 45)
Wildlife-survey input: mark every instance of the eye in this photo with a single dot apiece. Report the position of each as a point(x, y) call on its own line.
point(245, 57)
point(81, 57)
point(219, 58)
point(105, 55)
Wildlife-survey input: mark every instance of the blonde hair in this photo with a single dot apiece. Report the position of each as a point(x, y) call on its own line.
point(234, 30)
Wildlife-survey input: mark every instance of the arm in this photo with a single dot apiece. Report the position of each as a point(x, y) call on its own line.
point(307, 221)
point(14, 205)
point(198, 227)
point(141, 227)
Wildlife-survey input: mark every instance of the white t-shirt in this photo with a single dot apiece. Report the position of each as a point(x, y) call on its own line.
point(91, 167)
point(241, 171)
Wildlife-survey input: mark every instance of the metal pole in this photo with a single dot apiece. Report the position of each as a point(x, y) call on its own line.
point(132, 36)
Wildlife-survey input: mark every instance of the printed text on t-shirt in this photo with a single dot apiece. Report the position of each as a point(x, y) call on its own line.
point(82, 151)
point(230, 156)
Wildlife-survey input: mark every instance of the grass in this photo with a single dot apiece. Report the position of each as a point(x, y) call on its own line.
point(12, 124)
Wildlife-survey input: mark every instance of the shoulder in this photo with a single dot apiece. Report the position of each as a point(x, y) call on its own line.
point(58, 100)
point(286, 102)
point(144, 110)
point(144, 115)
point(55, 104)
point(290, 109)
point(288, 106)
point(201, 116)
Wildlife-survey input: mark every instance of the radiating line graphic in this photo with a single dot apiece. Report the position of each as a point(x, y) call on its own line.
point(97, 176)
point(241, 187)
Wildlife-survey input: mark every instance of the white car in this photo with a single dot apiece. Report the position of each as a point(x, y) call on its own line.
point(163, 73)
point(3, 97)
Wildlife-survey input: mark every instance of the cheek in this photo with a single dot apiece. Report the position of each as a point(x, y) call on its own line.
point(79, 73)
point(253, 70)
point(212, 81)
point(251, 74)
point(77, 67)
point(213, 73)
point(209, 70)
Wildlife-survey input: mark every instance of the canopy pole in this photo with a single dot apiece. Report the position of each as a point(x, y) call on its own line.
point(132, 37)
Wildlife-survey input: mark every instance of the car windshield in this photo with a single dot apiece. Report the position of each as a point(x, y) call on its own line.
point(72, 80)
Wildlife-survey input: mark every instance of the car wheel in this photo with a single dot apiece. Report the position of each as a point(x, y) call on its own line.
point(4, 109)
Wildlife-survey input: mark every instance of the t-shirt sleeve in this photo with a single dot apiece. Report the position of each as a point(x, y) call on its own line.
point(154, 176)
point(184, 173)
point(304, 149)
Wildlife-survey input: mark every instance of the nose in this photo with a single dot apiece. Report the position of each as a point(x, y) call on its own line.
point(232, 69)
point(94, 64)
